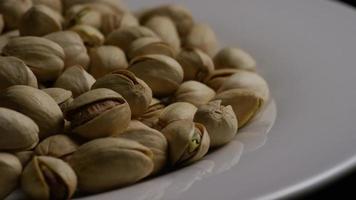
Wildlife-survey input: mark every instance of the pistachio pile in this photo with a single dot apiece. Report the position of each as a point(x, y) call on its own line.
point(94, 97)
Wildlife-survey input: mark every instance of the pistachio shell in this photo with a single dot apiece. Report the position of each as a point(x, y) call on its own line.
point(111, 22)
point(4, 38)
point(11, 169)
point(62, 97)
point(202, 37)
point(91, 36)
point(136, 92)
point(17, 131)
point(156, 71)
point(37, 105)
point(84, 15)
point(75, 79)
point(149, 45)
point(12, 11)
point(58, 146)
point(234, 58)
point(106, 59)
point(194, 92)
point(176, 111)
point(44, 57)
point(25, 157)
point(114, 5)
point(14, 71)
point(2, 25)
point(44, 19)
point(48, 178)
point(218, 77)
point(53, 4)
point(109, 163)
point(150, 117)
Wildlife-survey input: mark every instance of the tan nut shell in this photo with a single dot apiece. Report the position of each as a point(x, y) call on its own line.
point(176, 111)
point(114, 5)
point(111, 22)
point(149, 45)
point(12, 11)
point(150, 117)
point(91, 36)
point(58, 146)
point(60, 95)
point(4, 38)
point(11, 169)
point(194, 92)
point(25, 157)
point(82, 14)
point(234, 58)
point(53, 4)
point(218, 77)
point(202, 37)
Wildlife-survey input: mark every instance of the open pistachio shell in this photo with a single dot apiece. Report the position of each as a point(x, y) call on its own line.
point(109, 163)
point(24, 156)
point(234, 58)
point(85, 15)
point(62, 97)
point(58, 146)
point(150, 117)
point(53, 4)
point(91, 36)
point(149, 45)
point(217, 77)
point(111, 22)
point(11, 169)
point(48, 178)
point(12, 11)
point(98, 113)
point(176, 111)
point(194, 92)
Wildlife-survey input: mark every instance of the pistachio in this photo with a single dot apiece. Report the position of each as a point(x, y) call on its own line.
point(90, 35)
point(106, 59)
point(17, 131)
point(2, 25)
point(234, 58)
point(12, 11)
point(53, 4)
point(61, 96)
point(114, 5)
point(44, 19)
point(150, 117)
point(44, 57)
point(202, 37)
point(24, 156)
point(58, 146)
point(187, 142)
point(149, 45)
point(11, 169)
point(98, 113)
point(48, 178)
point(175, 112)
point(111, 22)
point(75, 79)
point(81, 14)
point(194, 92)
point(217, 77)
point(136, 92)
point(109, 163)
point(158, 71)
point(14, 71)
point(4, 38)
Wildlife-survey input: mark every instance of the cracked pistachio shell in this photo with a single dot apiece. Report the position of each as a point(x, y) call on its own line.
point(149, 45)
point(81, 14)
point(2, 25)
point(73, 46)
point(11, 169)
point(247, 80)
point(110, 163)
point(245, 103)
point(75, 79)
point(166, 30)
point(4, 38)
point(217, 77)
point(150, 138)
point(53, 4)
point(106, 59)
point(14, 71)
point(220, 122)
point(187, 141)
point(12, 11)
point(136, 92)
point(124, 36)
point(111, 22)
point(44, 57)
point(150, 117)
point(48, 178)
point(25, 156)
point(180, 15)
point(91, 36)
point(98, 113)
point(158, 71)
point(196, 64)
point(40, 20)
point(176, 111)
point(62, 97)
point(58, 146)
point(234, 58)
point(17, 131)
point(202, 37)
point(105, 5)
point(194, 92)
point(37, 105)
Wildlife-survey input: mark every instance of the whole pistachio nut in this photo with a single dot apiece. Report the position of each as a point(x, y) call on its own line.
point(194, 92)
point(14, 71)
point(53, 4)
point(175, 112)
point(37, 105)
point(91, 36)
point(113, 21)
point(220, 122)
point(166, 30)
point(58, 146)
point(150, 138)
point(187, 141)
point(62, 97)
point(149, 45)
point(245, 103)
point(106, 59)
point(124, 36)
point(114, 5)
point(109, 163)
point(234, 58)
point(4, 38)
point(2, 25)
point(217, 77)
point(44, 57)
point(12, 11)
point(75, 79)
point(17, 131)
point(81, 14)
point(196, 64)
point(136, 92)
point(162, 74)
point(150, 117)
point(98, 113)
point(202, 37)
point(73, 46)
point(11, 169)
point(48, 178)
point(44, 19)
point(24, 156)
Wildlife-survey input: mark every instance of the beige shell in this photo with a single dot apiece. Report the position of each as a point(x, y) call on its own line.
point(217, 77)
point(53, 4)
point(12, 11)
point(234, 58)
point(2, 25)
point(202, 37)
point(114, 5)
point(48, 178)
point(136, 92)
point(44, 57)
point(37, 105)
point(110, 163)
point(25, 156)
point(62, 97)
point(158, 71)
point(85, 15)
point(5, 37)
point(73, 46)
point(75, 79)
point(176, 111)
point(14, 71)
point(194, 92)
point(17, 131)
point(11, 169)
point(106, 59)
point(111, 22)
point(91, 36)
point(150, 117)
point(58, 146)
point(98, 113)
point(40, 20)
point(149, 45)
